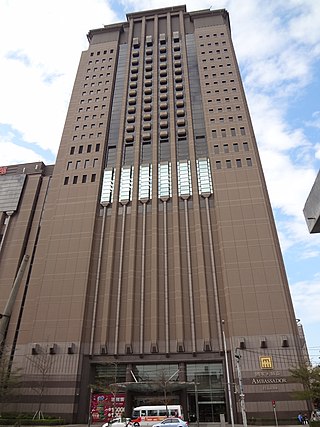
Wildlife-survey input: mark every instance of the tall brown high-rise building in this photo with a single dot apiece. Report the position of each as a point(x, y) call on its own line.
point(154, 256)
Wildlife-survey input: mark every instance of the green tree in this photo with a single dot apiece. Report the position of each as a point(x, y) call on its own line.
point(309, 377)
point(9, 379)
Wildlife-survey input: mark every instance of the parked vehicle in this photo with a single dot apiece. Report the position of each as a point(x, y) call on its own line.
point(118, 422)
point(171, 422)
point(146, 416)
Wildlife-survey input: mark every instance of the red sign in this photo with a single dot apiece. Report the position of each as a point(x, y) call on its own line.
point(3, 170)
point(105, 406)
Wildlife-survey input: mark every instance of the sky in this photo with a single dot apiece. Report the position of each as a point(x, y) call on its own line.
point(278, 49)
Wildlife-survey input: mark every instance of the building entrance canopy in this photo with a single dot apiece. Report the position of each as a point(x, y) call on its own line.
point(151, 386)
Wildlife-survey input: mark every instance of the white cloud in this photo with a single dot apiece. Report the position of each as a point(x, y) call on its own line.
point(39, 62)
point(315, 122)
point(12, 154)
point(305, 296)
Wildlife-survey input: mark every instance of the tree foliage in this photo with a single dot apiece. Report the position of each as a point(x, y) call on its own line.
point(309, 377)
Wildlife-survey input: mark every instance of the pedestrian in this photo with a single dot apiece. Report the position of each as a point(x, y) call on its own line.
point(305, 419)
point(300, 418)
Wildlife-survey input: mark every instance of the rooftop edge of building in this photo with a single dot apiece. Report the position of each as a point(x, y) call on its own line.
point(173, 9)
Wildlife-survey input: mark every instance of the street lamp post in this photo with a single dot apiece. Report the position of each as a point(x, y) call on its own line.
point(196, 398)
point(227, 374)
point(242, 401)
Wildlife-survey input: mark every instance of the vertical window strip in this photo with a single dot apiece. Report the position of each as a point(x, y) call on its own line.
point(126, 184)
point(184, 178)
point(107, 186)
point(145, 182)
point(164, 179)
point(204, 176)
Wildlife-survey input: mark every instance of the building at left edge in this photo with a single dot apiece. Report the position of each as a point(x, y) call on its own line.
point(153, 255)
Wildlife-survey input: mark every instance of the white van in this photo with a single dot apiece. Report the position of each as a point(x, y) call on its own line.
point(146, 416)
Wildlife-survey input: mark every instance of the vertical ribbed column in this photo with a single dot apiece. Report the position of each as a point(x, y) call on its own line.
point(166, 290)
point(97, 281)
point(190, 284)
point(198, 240)
point(154, 292)
point(111, 253)
point(175, 279)
point(214, 276)
point(119, 284)
point(132, 253)
point(142, 280)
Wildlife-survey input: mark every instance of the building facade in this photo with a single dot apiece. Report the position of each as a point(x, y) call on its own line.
point(311, 208)
point(154, 256)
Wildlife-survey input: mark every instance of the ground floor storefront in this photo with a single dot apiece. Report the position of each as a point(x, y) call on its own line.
point(200, 388)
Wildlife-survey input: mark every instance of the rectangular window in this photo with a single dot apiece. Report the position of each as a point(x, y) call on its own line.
point(69, 164)
point(249, 162)
point(233, 132)
point(89, 148)
point(223, 133)
point(78, 162)
point(218, 164)
point(72, 150)
point(238, 162)
point(80, 149)
point(236, 147)
point(225, 148)
point(228, 163)
point(75, 180)
point(66, 180)
point(245, 146)
point(97, 147)
point(242, 131)
point(216, 149)
point(214, 133)
point(84, 179)
point(93, 177)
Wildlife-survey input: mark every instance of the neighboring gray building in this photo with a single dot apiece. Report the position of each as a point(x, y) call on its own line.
point(153, 227)
point(312, 207)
